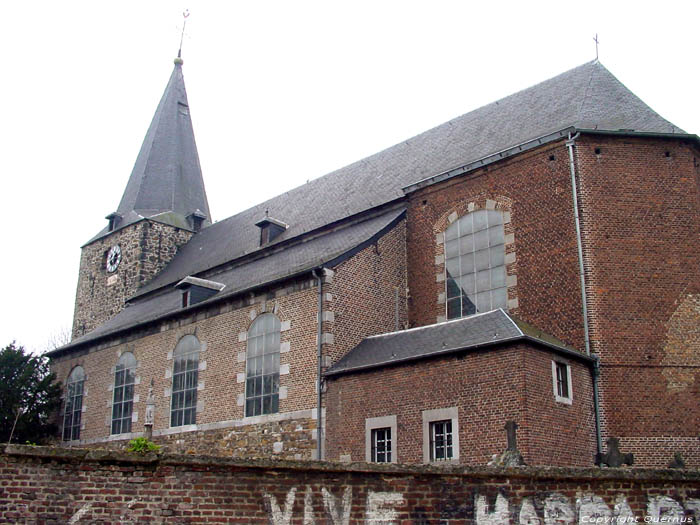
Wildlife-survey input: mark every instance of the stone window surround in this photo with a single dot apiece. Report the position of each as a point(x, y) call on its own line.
point(202, 366)
point(136, 398)
point(285, 347)
point(372, 423)
point(502, 204)
point(440, 414)
point(560, 399)
point(83, 405)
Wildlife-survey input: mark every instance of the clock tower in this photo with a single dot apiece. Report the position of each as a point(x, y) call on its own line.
point(163, 206)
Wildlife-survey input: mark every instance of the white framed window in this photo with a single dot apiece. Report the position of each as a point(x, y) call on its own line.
point(183, 403)
point(475, 270)
point(73, 409)
point(123, 398)
point(263, 366)
point(380, 439)
point(441, 435)
point(561, 382)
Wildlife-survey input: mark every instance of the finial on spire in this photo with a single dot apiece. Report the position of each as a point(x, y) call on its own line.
point(596, 46)
point(185, 14)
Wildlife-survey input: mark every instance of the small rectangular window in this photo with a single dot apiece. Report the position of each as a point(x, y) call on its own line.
point(561, 382)
point(381, 439)
point(441, 440)
point(381, 445)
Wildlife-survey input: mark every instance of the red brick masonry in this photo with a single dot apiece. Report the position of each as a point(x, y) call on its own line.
point(47, 485)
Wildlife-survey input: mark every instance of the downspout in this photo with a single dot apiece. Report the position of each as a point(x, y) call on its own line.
point(319, 359)
point(596, 367)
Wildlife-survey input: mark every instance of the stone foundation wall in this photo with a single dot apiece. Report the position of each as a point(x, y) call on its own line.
point(45, 485)
point(293, 439)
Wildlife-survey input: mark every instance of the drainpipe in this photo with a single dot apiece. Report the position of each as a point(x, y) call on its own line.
point(596, 366)
point(319, 358)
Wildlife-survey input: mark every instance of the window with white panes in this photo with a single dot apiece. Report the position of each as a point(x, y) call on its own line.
point(183, 402)
point(475, 264)
point(73, 408)
point(263, 366)
point(123, 396)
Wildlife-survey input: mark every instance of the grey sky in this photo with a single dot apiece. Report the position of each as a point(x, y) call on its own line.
point(280, 92)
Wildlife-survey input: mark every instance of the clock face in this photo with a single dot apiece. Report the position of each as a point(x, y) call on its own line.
point(114, 257)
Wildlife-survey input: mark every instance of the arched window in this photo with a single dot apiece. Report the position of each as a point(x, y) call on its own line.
point(123, 399)
point(183, 407)
point(475, 264)
point(263, 366)
point(74, 404)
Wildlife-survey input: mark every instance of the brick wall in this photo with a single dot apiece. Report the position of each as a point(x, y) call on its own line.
point(367, 279)
point(534, 190)
point(57, 486)
point(488, 387)
point(147, 246)
point(641, 219)
point(364, 292)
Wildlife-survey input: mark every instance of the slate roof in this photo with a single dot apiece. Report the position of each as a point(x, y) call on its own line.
point(444, 338)
point(325, 250)
point(166, 183)
point(587, 97)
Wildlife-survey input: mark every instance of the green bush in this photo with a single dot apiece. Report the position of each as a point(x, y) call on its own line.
point(141, 445)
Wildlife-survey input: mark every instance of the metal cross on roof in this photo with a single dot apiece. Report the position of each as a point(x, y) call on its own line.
point(185, 14)
point(596, 46)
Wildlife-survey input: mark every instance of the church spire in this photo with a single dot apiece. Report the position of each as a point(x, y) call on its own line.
point(166, 183)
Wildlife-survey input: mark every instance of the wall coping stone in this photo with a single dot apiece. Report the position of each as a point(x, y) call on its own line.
point(77, 455)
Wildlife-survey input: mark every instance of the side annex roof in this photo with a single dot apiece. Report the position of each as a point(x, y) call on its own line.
point(468, 333)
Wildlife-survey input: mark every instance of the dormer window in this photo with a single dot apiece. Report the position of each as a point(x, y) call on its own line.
point(196, 290)
point(270, 229)
point(196, 219)
point(114, 219)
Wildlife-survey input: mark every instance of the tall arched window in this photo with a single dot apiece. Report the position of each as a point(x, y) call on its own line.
point(263, 366)
point(475, 264)
point(183, 407)
point(74, 404)
point(123, 399)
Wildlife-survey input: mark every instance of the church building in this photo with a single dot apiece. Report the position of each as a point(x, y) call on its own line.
point(519, 284)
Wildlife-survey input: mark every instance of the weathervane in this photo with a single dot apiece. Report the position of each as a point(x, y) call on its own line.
point(596, 46)
point(185, 14)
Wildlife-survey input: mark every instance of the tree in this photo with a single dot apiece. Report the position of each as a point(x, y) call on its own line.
point(29, 396)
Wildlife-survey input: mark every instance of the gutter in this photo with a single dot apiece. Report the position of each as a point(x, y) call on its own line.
point(595, 372)
point(319, 359)
point(533, 143)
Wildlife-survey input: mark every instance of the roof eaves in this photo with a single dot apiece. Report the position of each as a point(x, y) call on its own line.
point(489, 159)
point(231, 293)
point(282, 244)
point(642, 134)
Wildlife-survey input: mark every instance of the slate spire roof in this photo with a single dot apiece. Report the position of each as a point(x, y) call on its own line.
point(166, 182)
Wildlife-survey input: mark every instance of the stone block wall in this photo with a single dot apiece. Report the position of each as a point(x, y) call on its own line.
point(487, 387)
point(58, 486)
point(146, 247)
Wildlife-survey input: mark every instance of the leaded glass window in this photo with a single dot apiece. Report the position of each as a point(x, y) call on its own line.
point(263, 366)
point(123, 398)
point(183, 406)
point(73, 409)
point(475, 264)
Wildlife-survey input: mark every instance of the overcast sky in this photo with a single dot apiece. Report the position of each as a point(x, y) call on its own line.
point(280, 93)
